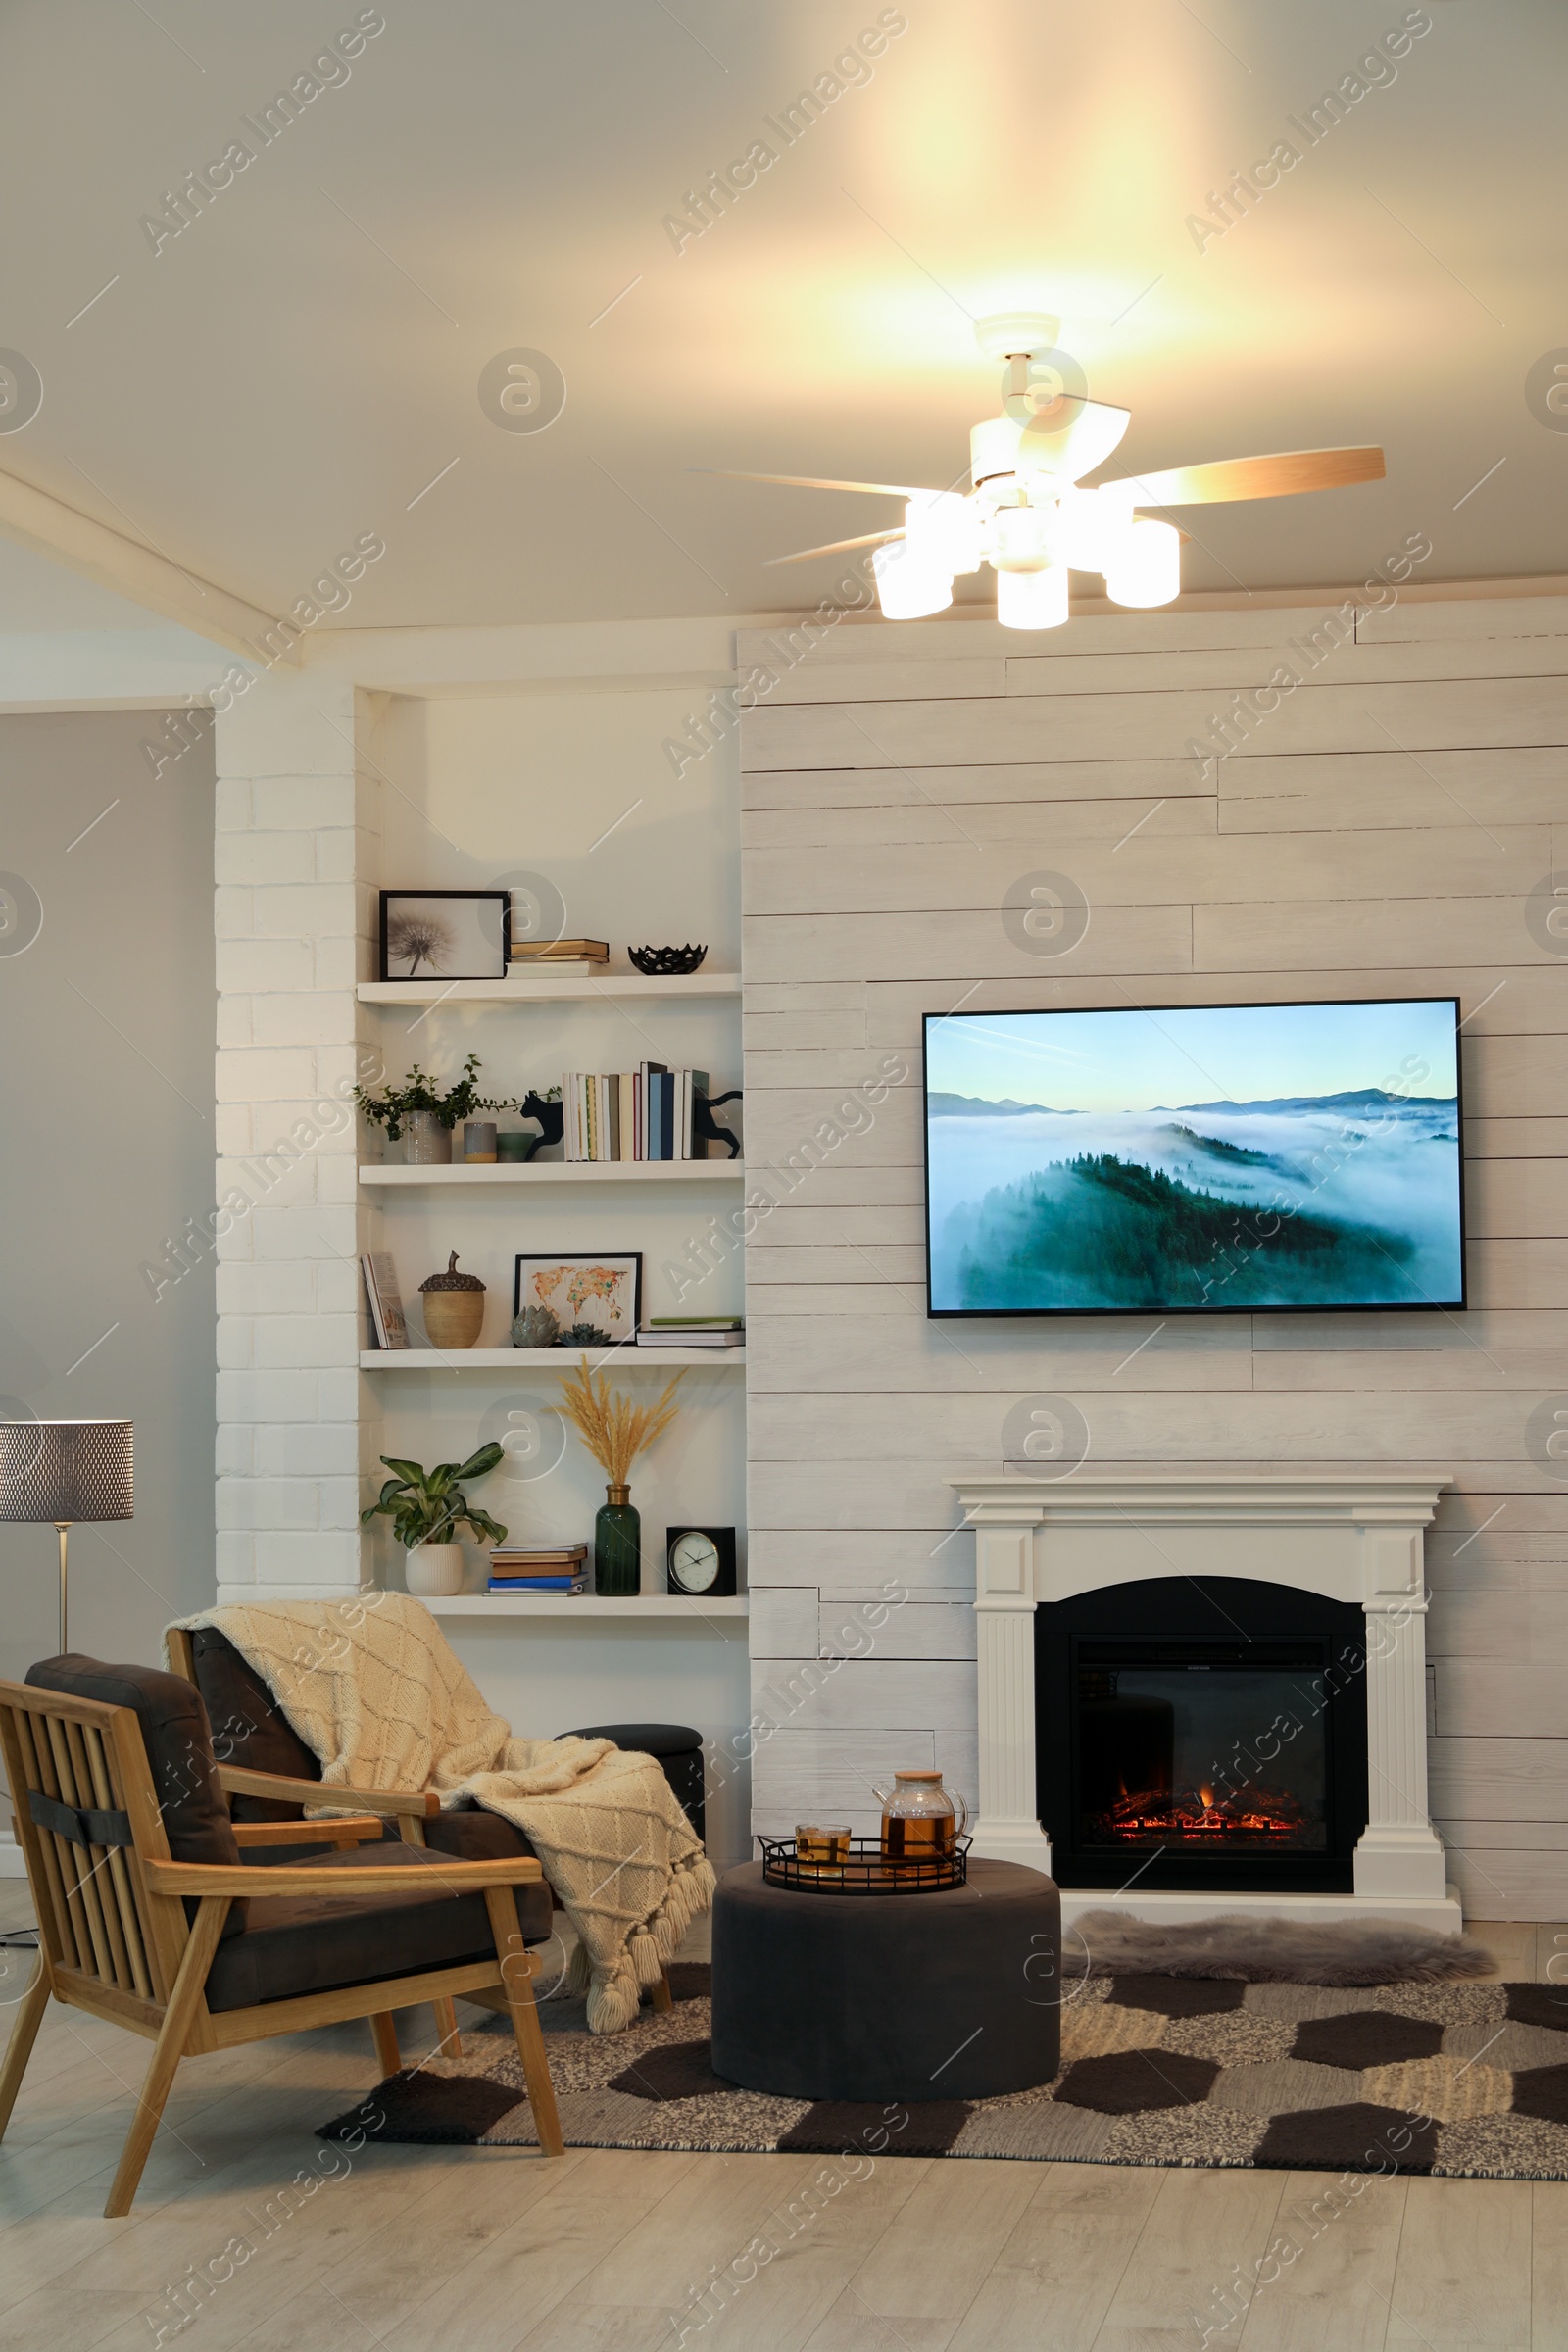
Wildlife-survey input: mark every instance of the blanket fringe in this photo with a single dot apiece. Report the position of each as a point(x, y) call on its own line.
point(614, 1988)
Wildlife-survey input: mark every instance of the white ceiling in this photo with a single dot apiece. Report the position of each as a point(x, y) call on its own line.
point(296, 366)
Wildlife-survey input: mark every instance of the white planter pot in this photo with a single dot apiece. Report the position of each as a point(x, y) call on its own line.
point(430, 1569)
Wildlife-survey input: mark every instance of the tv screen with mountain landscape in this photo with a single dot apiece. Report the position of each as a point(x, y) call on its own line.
point(1187, 1159)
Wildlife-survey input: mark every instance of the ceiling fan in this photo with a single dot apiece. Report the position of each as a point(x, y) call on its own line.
point(1026, 514)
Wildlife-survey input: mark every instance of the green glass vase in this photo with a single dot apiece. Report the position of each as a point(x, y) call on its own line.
point(618, 1546)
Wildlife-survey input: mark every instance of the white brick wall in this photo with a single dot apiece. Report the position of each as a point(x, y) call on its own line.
point(298, 861)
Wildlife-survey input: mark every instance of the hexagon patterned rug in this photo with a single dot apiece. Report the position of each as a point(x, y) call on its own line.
point(1455, 2078)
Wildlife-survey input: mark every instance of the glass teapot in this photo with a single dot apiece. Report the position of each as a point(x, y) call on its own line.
point(920, 1821)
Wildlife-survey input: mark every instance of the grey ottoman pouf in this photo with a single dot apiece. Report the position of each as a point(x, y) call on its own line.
point(950, 1995)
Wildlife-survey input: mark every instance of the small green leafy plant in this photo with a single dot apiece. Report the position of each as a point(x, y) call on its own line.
point(429, 1507)
point(420, 1092)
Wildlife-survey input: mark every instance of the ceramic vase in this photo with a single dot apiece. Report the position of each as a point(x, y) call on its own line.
point(426, 1144)
point(430, 1569)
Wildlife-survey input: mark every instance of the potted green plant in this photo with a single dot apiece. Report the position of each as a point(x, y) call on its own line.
point(428, 1112)
point(426, 1508)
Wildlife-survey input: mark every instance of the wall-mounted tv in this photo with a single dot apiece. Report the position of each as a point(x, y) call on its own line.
point(1194, 1160)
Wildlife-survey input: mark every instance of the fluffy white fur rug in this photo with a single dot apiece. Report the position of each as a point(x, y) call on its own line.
point(1272, 1951)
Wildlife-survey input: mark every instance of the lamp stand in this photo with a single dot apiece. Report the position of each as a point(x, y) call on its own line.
point(62, 1529)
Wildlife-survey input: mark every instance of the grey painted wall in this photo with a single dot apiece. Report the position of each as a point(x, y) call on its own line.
point(106, 1148)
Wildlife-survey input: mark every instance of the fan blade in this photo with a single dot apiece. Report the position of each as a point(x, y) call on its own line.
point(1072, 438)
point(1280, 477)
point(809, 481)
point(834, 547)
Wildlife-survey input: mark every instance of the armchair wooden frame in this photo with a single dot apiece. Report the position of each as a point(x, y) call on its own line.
point(115, 1938)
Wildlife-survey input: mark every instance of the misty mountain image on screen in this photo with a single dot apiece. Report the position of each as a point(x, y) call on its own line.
point(1337, 1199)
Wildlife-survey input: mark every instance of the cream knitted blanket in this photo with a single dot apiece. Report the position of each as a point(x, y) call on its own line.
point(372, 1686)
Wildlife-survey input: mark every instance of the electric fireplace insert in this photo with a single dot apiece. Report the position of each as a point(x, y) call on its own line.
point(1202, 1733)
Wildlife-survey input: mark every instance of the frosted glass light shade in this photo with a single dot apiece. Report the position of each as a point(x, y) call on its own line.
point(1022, 538)
point(943, 530)
point(1147, 566)
point(909, 584)
point(1032, 600)
point(1093, 524)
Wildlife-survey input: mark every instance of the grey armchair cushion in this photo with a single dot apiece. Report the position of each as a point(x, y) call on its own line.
point(297, 1943)
point(179, 1752)
point(471, 1834)
point(248, 1727)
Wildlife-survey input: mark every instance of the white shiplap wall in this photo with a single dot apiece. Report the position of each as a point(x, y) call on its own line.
point(1380, 833)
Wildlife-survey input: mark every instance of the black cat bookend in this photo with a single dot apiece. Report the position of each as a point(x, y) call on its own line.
point(706, 1129)
point(550, 1118)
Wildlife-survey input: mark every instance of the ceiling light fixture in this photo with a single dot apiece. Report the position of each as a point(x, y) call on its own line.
point(1026, 513)
point(909, 585)
point(1032, 600)
point(1146, 567)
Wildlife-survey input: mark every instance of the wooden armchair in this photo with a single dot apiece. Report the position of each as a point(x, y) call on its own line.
point(149, 1918)
point(284, 1776)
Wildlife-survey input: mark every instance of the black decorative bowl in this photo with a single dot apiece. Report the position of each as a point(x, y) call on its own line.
point(666, 963)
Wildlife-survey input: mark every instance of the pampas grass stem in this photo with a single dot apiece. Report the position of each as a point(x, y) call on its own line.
point(613, 1428)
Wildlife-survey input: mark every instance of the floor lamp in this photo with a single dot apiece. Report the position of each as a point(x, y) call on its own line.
point(65, 1471)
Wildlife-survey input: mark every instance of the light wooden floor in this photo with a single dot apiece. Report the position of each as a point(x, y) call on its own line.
point(468, 2250)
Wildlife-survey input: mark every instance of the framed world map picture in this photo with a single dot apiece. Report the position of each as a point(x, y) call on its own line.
point(596, 1299)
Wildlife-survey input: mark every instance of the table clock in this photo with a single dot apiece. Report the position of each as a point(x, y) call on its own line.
point(701, 1560)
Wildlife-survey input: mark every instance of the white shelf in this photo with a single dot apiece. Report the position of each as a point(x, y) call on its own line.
point(562, 1359)
point(673, 1607)
point(535, 989)
point(567, 1171)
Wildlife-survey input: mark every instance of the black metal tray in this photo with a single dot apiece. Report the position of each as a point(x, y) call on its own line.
point(868, 1871)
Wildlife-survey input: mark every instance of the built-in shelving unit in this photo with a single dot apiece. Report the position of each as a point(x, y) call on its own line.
point(566, 1171)
point(409, 1196)
point(536, 989)
point(560, 1359)
point(589, 1607)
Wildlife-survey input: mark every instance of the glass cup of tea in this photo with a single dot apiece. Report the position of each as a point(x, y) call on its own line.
point(821, 1845)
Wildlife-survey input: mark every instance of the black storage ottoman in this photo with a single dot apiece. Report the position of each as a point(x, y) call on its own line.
point(953, 1994)
point(677, 1748)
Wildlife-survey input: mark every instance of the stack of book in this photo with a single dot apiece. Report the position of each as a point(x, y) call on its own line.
point(646, 1113)
point(693, 1331)
point(563, 957)
point(558, 1568)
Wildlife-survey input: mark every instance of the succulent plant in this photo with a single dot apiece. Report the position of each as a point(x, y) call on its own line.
point(585, 1335)
point(535, 1327)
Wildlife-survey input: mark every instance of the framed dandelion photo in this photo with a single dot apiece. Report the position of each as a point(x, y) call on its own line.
point(597, 1299)
point(445, 934)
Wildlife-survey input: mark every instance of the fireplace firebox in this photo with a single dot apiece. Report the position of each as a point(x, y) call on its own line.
point(1202, 1732)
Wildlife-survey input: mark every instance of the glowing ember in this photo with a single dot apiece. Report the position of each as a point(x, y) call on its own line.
point(1194, 1817)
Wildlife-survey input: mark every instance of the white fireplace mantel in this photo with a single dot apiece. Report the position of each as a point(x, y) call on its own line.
point(1351, 1534)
